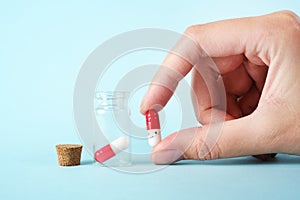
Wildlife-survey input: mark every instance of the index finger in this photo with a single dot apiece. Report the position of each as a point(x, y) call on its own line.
point(175, 66)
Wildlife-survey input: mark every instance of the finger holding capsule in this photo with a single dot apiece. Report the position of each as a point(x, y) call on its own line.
point(153, 127)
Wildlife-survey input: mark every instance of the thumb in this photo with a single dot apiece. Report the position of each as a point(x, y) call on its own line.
point(233, 138)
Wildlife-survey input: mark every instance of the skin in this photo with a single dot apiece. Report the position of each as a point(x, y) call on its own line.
point(259, 61)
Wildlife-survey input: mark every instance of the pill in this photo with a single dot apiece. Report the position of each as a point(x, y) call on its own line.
point(153, 127)
point(111, 149)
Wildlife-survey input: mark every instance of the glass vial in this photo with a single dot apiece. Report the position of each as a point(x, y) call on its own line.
point(113, 118)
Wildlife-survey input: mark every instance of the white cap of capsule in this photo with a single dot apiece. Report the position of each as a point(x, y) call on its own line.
point(120, 144)
point(154, 137)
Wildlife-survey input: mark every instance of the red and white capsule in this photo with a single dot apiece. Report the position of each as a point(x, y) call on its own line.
point(111, 149)
point(153, 127)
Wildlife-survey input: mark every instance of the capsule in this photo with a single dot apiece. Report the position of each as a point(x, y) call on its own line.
point(111, 149)
point(153, 127)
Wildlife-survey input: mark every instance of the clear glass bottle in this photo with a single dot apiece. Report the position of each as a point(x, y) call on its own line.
point(113, 118)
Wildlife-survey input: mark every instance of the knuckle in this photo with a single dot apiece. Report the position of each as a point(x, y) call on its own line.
point(290, 21)
point(200, 118)
point(203, 149)
point(289, 15)
point(203, 117)
point(270, 126)
point(208, 152)
point(191, 30)
point(284, 25)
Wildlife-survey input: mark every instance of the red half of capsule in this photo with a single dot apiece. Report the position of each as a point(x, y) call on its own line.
point(104, 153)
point(152, 120)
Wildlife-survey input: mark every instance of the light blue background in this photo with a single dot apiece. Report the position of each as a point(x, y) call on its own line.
point(42, 47)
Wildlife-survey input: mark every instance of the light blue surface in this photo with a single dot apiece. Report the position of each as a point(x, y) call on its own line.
point(42, 46)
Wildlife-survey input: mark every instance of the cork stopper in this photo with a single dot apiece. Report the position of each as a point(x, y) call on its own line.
point(68, 154)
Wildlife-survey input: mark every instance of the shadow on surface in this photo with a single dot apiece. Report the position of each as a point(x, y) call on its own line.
point(87, 162)
point(278, 160)
point(247, 160)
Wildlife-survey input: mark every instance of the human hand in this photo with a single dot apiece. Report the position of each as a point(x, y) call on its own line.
point(258, 59)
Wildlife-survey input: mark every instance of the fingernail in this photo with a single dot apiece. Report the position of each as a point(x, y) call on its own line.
point(143, 106)
point(165, 157)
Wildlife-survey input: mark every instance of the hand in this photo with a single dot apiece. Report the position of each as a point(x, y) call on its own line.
point(258, 59)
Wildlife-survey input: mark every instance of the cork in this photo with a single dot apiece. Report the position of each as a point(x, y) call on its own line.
point(68, 154)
